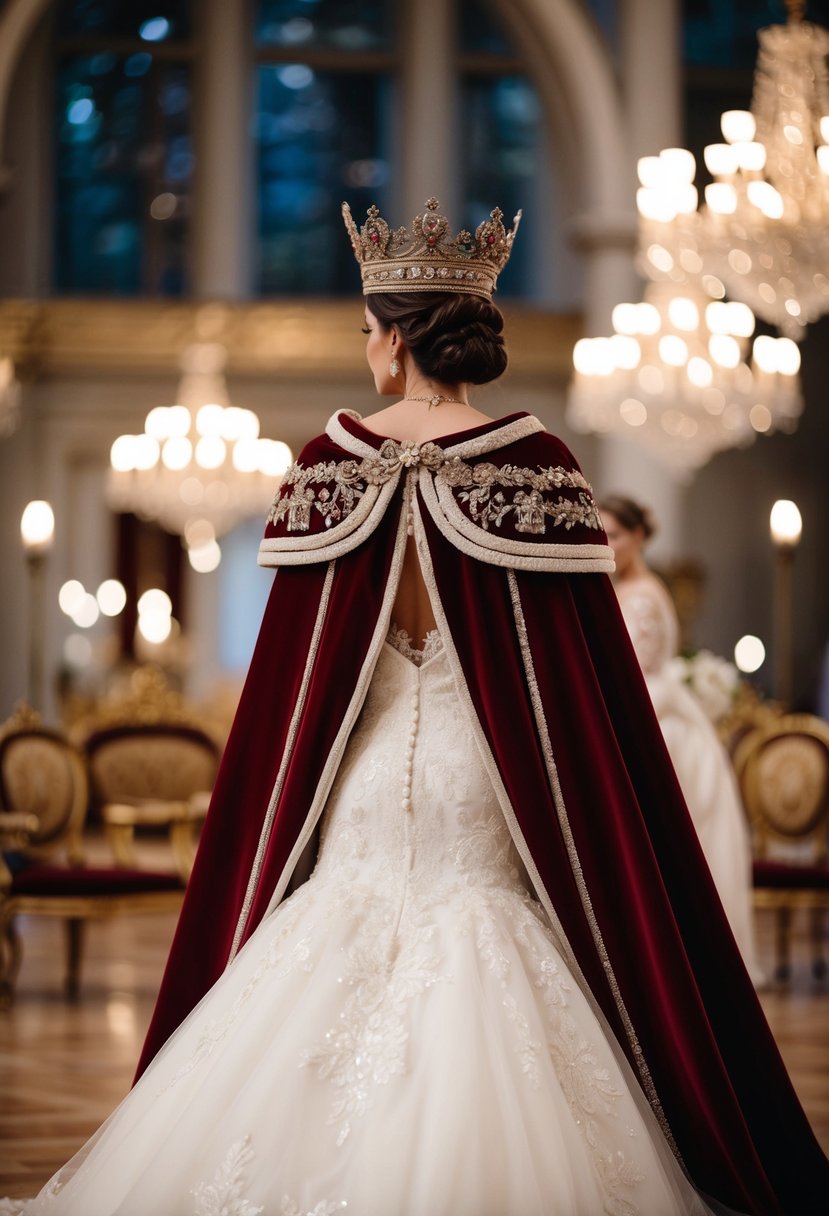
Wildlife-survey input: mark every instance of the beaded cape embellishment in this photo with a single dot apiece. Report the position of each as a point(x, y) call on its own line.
point(334, 488)
point(425, 257)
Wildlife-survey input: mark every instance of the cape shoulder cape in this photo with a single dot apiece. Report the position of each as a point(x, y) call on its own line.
point(515, 560)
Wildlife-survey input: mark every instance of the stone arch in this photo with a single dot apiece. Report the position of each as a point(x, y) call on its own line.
point(17, 21)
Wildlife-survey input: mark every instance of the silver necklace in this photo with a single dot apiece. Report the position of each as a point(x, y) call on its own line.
point(437, 399)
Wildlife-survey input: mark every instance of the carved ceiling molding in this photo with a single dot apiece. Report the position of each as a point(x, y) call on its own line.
point(72, 337)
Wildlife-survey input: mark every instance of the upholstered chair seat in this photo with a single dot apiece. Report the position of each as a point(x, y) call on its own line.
point(44, 794)
point(783, 771)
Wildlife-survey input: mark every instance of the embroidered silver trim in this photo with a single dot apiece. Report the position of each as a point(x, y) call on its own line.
point(497, 550)
point(265, 834)
point(509, 432)
point(575, 863)
point(334, 488)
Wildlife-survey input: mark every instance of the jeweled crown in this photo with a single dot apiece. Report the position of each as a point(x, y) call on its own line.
point(425, 257)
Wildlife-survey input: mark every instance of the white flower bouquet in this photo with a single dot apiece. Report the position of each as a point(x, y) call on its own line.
point(713, 681)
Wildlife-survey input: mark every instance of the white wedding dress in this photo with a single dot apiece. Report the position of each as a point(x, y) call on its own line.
point(701, 762)
point(400, 1037)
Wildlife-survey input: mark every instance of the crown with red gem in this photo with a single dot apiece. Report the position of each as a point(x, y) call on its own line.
point(425, 258)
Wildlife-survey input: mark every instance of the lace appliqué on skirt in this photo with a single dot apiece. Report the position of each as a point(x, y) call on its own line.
point(224, 1195)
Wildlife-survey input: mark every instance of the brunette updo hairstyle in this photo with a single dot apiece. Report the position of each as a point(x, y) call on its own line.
point(630, 514)
point(453, 338)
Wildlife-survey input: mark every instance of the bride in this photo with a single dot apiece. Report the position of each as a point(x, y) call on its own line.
point(440, 953)
point(699, 758)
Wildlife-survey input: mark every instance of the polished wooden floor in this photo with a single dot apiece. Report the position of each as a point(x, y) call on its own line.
point(65, 1064)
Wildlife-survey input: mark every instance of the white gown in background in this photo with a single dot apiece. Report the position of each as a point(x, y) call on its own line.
point(400, 1037)
point(701, 762)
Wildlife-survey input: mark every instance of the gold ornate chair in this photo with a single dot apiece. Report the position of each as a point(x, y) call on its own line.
point(152, 776)
point(783, 772)
point(44, 793)
point(151, 765)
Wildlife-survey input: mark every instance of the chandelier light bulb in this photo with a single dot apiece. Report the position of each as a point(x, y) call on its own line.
point(111, 597)
point(155, 602)
point(157, 422)
point(739, 319)
point(700, 372)
point(625, 319)
point(248, 425)
point(678, 165)
point(764, 196)
point(648, 318)
point(210, 452)
point(788, 357)
point(246, 455)
point(824, 128)
point(210, 420)
point(122, 454)
point(70, 596)
point(275, 456)
point(683, 313)
point(738, 126)
point(176, 453)
point(720, 160)
point(179, 421)
point(145, 452)
point(717, 318)
point(724, 350)
point(155, 628)
point(650, 172)
point(750, 155)
point(87, 612)
point(657, 205)
point(749, 654)
point(785, 523)
point(721, 198)
point(37, 526)
point(232, 423)
point(822, 154)
point(764, 352)
point(206, 558)
point(673, 350)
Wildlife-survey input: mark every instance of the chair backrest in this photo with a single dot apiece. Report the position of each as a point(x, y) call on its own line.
point(42, 774)
point(165, 762)
point(783, 772)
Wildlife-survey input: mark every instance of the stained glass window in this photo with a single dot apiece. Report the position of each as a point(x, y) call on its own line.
point(342, 25)
point(723, 33)
point(123, 151)
point(148, 20)
point(501, 126)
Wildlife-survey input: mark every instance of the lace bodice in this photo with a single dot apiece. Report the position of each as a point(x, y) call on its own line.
point(651, 621)
point(412, 800)
point(402, 641)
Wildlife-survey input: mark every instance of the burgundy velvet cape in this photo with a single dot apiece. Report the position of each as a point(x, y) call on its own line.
point(515, 562)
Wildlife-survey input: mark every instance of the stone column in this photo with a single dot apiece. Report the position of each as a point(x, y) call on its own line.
point(429, 111)
point(650, 71)
point(224, 217)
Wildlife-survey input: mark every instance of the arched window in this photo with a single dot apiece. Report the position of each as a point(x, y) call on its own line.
point(325, 100)
point(123, 156)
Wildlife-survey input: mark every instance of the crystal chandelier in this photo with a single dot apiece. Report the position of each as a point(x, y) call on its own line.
point(676, 376)
point(763, 231)
point(199, 467)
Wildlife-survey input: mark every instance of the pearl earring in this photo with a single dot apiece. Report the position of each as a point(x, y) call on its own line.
point(394, 368)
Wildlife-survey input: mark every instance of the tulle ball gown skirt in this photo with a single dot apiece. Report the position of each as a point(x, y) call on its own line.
point(401, 1037)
